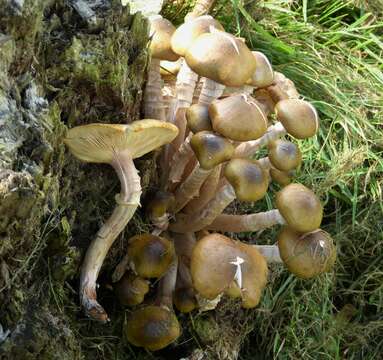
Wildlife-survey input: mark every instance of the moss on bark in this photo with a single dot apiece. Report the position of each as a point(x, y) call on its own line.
point(57, 70)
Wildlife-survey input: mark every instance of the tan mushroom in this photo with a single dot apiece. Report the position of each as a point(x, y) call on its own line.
point(116, 145)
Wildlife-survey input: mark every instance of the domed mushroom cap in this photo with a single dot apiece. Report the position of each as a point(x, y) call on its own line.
point(160, 204)
point(152, 327)
point(284, 155)
point(238, 117)
point(211, 149)
point(263, 75)
point(280, 177)
point(198, 119)
point(254, 275)
point(210, 265)
point(161, 31)
point(131, 289)
point(184, 300)
point(184, 36)
point(98, 143)
point(248, 179)
point(306, 255)
point(300, 207)
point(299, 117)
point(221, 57)
point(150, 256)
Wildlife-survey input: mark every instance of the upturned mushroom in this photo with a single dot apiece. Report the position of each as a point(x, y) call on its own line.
point(297, 206)
point(306, 255)
point(116, 145)
point(219, 263)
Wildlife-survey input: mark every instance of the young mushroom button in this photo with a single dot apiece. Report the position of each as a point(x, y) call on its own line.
point(116, 145)
point(284, 155)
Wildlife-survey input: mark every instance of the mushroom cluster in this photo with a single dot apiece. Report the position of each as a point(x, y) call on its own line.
point(219, 103)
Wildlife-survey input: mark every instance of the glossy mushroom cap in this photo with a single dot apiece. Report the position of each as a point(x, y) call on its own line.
point(184, 300)
point(299, 117)
point(131, 289)
point(280, 177)
point(306, 255)
point(213, 269)
point(197, 116)
point(188, 32)
point(284, 155)
point(300, 207)
point(248, 179)
point(98, 143)
point(150, 256)
point(211, 149)
point(161, 31)
point(152, 327)
point(161, 203)
point(238, 117)
point(263, 75)
point(221, 57)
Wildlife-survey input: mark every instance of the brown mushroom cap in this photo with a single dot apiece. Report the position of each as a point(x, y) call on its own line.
point(161, 203)
point(263, 75)
point(238, 117)
point(213, 269)
point(161, 31)
point(184, 36)
point(211, 149)
point(197, 116)
point(300, 207)
point(280, 177)
point(284, 155)
point(152, 327)
point(150, 256)
point(221, 57)
point(184, 300)
point(306, 255)
point(299, 117)
point(248, 178)
point(131, 289)
point(265, 101)
point(98, 143)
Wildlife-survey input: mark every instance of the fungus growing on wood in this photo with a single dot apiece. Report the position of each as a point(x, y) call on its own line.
point(116, 145)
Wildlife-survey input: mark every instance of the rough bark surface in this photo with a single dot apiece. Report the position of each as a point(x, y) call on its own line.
point(62, 64)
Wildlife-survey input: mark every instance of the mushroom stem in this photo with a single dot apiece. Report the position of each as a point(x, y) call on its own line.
point(153, 100)
point(270, 252)
point(201, 7)
point(127, 202)
point(252, 222)
point(249, 148)
point(204, 217)
point(190, 187)
point(179, 161)
point(167, 286)
point(210, 91)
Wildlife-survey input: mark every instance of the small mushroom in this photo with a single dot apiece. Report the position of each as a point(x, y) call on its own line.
point(238, 117)
point(298, 117)
point(306, 255)
point(116, 145)
point(284, 155)
point(197, 117)
point(263, 75)
point(159, 208)
point(131, 289)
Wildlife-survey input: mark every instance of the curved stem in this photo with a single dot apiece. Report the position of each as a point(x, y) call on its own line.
point(167, 285)
point(249, 148)
point(127, 202)
point(252, 222)
point(204, 217)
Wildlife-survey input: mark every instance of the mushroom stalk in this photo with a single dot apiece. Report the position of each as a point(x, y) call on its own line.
point(252, 222)
point(204, 217)
point(201, 7)
point(249, 148)
point(270, 252)
point(210, 91)
point(190, 187)
point(127, 202)
point(153, 100)
point(167, 286)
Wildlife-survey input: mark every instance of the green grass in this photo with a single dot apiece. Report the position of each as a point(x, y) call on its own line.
point(332, 50)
